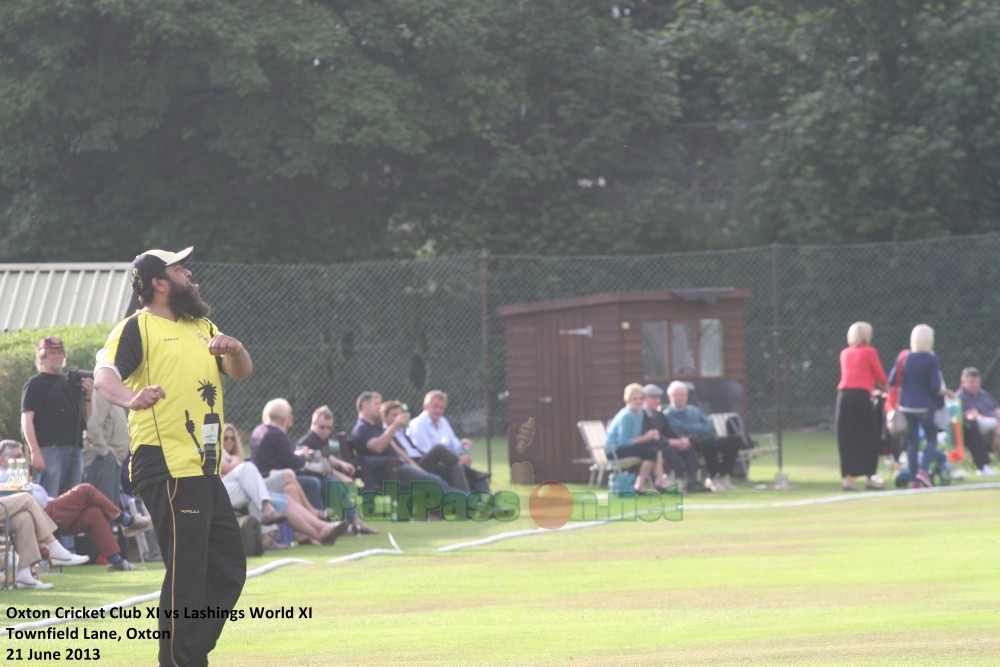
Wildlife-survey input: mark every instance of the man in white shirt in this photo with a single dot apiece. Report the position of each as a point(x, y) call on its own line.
point(439, 461)
point(431, 428)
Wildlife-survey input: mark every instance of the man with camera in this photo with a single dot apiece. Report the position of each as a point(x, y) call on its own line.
point(54, 410)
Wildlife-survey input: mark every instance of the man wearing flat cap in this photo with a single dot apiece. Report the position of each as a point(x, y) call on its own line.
point(164, 363)
point(54, 412)
point(676, 452)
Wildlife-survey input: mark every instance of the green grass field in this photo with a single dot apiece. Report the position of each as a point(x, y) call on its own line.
point(752, 576)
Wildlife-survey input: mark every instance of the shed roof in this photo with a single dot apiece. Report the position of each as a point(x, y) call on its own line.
point(707, 294)
point(36, 296)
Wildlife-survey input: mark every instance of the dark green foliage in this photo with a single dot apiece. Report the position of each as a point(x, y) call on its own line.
point(329, 131)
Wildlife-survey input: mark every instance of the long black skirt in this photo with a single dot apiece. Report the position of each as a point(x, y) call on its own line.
point(858, 433)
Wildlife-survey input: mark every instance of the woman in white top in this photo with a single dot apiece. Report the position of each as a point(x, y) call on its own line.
point(246, 488)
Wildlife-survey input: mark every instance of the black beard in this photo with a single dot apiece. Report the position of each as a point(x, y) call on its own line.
point(187, 301)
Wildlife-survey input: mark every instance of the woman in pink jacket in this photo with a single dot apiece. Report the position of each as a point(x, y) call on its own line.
point(858, 423)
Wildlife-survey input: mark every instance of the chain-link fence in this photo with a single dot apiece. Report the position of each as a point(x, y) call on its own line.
point(322, 334)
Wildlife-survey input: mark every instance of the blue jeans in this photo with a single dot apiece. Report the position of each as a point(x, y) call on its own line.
point(342, 498)
point(314, 488)
point(914, 420)
point(63, 469)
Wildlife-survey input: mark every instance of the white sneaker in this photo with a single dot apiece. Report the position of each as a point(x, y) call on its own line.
point(710, 484)
point(32, 583)
point(986, 471)
point(74, 559)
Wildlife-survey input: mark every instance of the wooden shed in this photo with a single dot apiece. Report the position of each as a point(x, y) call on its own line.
point(570, 359)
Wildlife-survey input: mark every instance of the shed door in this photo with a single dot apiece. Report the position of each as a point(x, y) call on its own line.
point(564, 356)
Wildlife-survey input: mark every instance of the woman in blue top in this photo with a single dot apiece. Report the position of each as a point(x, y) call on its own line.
point(920, 396)
point(626, 438)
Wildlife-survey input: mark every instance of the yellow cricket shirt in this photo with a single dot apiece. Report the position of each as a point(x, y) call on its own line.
point(181, 434)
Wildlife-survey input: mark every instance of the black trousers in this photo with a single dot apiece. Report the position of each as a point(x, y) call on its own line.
point(719, 454)
point(204, 560)
point(644, 450)
point(444, 463)
point(683, 462)
point(974, 443)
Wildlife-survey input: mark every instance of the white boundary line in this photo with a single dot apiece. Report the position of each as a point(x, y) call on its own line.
point(847, 497)
point(264, 569)
point(358, 555)
point(519, 533)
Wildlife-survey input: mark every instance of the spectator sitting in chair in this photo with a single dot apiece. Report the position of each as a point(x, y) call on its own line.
point(438, 459)
point(676, 449)
point(25, 518)
point(981, 415)
point(318, 439)
point(627, 436)
point(287, 484)
point(272, 452)
point(83, 509)
point(376, 444)
point(431, 428)
point(455, 481)
point(246, 489)
point(719, 453)
point(243, 481)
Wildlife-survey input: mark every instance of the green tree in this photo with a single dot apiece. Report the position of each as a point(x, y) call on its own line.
point(879, 118)
point(328, 130)
point(247, 127)
point(269, 131)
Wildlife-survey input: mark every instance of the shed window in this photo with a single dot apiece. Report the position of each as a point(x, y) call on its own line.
point(682, 349)
point(654, 349)
point(710, 347)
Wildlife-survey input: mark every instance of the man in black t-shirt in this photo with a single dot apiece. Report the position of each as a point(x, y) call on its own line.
point(318, 439)
point(54, 411)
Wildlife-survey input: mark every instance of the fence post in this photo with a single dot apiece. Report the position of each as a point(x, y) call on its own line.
point(484, 289)
point(781, 479)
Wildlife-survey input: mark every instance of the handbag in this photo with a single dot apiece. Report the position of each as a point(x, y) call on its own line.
point(622, 483)
point(896, 424)
point(316, 465)
point(895, 420)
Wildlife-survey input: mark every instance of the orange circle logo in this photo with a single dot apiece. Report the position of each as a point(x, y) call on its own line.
point(551, 505)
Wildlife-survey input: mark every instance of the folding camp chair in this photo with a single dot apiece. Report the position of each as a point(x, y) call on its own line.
point(595, 440)
point(147, 546)
point(7, 544)
point(730, 423)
